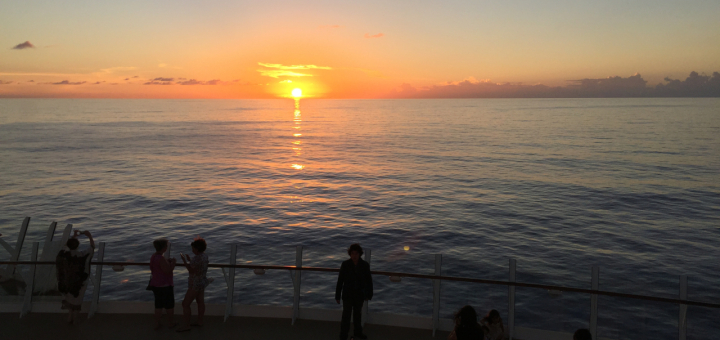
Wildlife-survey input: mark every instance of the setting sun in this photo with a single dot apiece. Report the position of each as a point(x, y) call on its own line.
point(297, 93)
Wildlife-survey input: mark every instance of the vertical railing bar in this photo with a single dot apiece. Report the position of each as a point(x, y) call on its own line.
point(296, 283)
point(595, 285)
point(365, 311)
point(230, 281)
point(18, 246)
point(682, 321)
point(436, 293)
point(30, 281)
point(98, 278)
point(511, 300)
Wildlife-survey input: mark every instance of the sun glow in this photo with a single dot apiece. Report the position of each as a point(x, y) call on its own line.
point(297, 93)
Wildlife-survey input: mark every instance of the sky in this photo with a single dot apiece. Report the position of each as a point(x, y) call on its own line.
point(342, 49)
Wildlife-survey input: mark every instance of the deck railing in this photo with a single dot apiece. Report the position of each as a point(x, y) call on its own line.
point(436, 278)
point(298, 268)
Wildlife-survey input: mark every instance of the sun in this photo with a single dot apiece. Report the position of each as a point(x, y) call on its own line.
point(297, 93)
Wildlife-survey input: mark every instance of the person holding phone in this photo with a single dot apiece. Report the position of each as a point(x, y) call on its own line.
point(197, 281)
point(73, 269)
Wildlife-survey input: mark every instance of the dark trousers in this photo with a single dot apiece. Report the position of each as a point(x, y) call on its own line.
point(354, 307)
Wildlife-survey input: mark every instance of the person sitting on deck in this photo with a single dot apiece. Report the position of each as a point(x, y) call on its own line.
point(582, 334)
point(355, 287)
point(161, 282)
point(197, 281)
point(73, 269)
point(493, 326)
point(466, 325)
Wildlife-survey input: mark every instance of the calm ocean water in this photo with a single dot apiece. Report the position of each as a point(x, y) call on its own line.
point(631, 185)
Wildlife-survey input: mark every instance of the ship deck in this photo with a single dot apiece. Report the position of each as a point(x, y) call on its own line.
point(140, 327)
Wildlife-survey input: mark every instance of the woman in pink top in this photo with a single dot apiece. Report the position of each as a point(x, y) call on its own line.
point(161, 282)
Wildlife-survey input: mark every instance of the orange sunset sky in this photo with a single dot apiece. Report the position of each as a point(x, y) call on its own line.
point(341, 49)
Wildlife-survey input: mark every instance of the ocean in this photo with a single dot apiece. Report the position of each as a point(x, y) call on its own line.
point(560, 185)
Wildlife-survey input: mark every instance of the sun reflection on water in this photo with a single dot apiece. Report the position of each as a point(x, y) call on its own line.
point(297, 118)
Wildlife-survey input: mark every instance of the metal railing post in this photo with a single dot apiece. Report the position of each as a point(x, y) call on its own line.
point(30, 282)
point(511, 300)
point(15, 252)
point(682, 321)
point(230, 281)
point(98, 279)
point(595, 285)
point(365, 305)
point(296, 283)
point(436, 293)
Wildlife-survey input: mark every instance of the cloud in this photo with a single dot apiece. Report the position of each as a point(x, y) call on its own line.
point(67, 82)
point(295, 67)
point(695, 85)
point(127, 78)
point(200, 82)
point(23, 46)
point(153, 82)
point(98, 82)
point(371, 36)
point(163, 79)
point(31, 81)
point(5, 82)
point(136, 76)
point(280, 70)
point(282, 73)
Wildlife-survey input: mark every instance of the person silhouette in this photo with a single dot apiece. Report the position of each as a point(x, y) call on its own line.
point(354, 286)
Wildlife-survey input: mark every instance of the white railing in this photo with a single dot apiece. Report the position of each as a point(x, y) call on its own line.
point(434, 323)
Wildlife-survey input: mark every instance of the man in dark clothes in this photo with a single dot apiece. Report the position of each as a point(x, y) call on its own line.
point(355, 284)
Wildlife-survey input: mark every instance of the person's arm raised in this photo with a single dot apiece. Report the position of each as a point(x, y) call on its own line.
point(92, 242)
point(187, 265)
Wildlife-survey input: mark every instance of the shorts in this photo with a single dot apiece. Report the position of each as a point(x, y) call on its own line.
point(164, 297)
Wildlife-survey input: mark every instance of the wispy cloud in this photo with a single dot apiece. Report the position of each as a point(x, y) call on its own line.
point(23, 46)
point(295, 67)
point(371, 36)
point(200, 82)
point(5, 82)
point(282, 73)
point(280, 70)
point(163, 79)
point(66, 82)
point(154, 82)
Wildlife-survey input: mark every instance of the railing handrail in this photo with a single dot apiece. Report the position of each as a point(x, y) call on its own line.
point(412, 275)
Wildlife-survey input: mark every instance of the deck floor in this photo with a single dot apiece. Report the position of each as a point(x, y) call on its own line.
point(140, 327)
